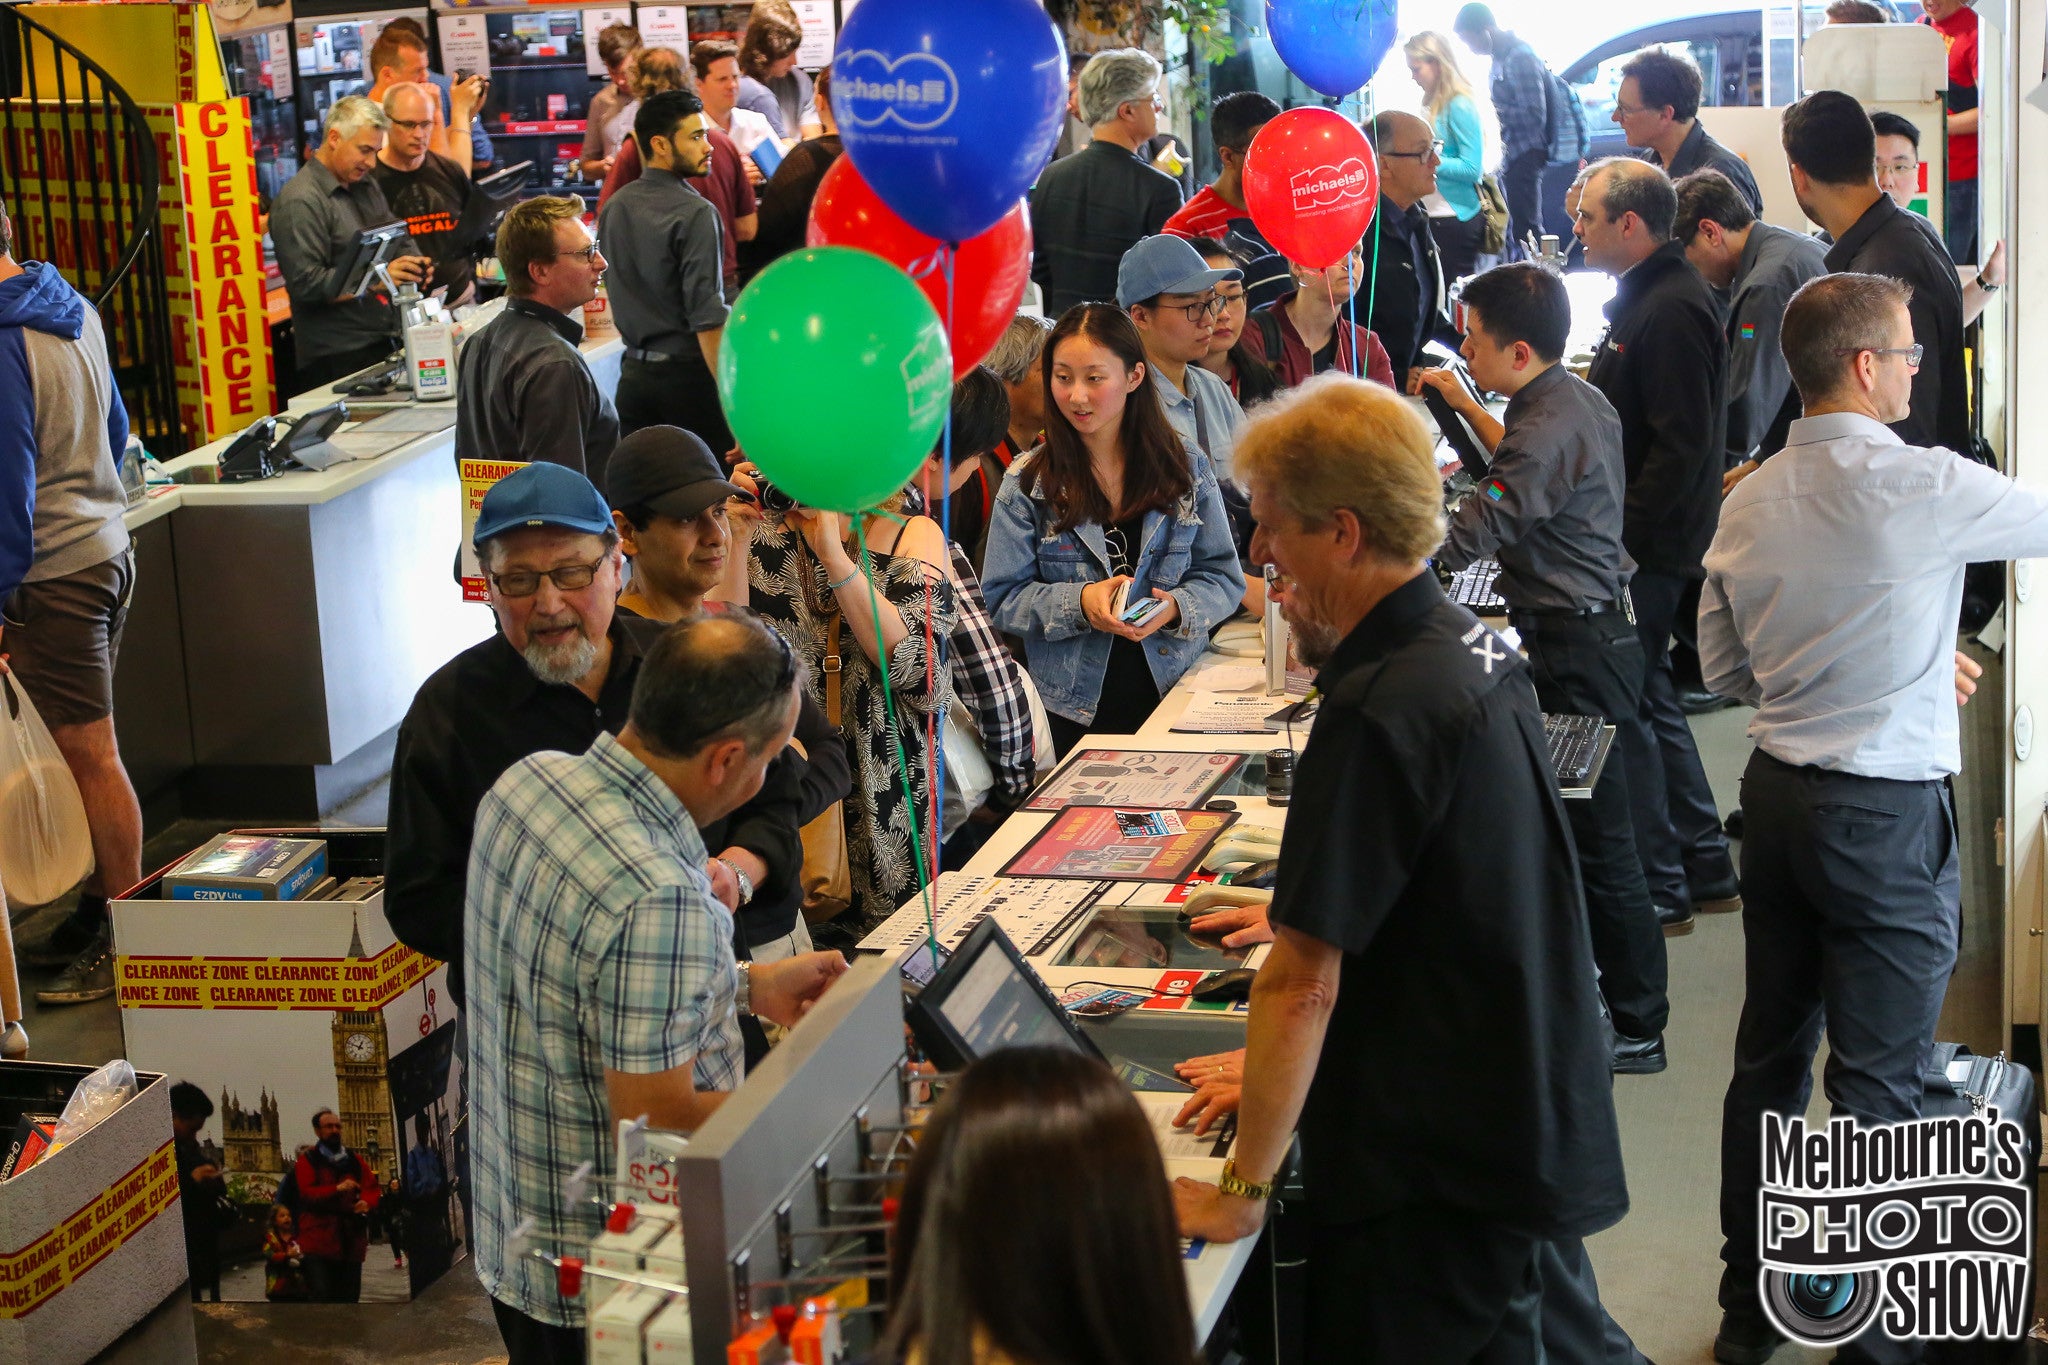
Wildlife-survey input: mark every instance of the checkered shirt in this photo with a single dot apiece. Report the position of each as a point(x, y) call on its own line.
point(593, 942)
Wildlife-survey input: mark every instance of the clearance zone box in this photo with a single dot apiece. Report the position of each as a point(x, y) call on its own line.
point(279, 1009)
point(91, 1236)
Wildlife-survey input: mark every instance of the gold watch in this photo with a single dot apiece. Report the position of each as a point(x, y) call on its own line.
point(1244, 1189)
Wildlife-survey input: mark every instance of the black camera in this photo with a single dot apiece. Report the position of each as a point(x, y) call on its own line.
point(773, 498)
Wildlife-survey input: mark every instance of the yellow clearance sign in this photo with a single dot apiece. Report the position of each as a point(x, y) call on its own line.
point(38, 1272)
point(224, 241)
point(269, 983)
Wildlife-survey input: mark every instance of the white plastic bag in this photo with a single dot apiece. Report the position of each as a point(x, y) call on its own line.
point(45, 844)
point(96, 1098)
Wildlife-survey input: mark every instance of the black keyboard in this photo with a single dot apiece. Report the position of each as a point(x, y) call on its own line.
point(1473, 587)
point(1574, 745)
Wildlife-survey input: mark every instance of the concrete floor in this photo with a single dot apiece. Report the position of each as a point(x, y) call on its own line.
point(1658, 1269)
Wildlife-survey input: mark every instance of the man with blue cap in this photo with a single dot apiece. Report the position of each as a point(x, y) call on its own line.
point(1170, 293)
point(558, 673)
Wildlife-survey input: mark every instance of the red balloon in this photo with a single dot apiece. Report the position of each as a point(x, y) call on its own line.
point(989, 270)
point(1312, 184)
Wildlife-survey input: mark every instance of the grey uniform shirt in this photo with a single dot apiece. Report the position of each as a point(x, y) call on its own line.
point(665, 271)
point(1832, 589)
point(1774, 264)
point(1206, 416)
point(524, 392)
point(1550, 505)
point(313, 223)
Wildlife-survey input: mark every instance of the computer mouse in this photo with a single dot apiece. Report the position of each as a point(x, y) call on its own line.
point(1259, 876)
point(1235, 984)
point(1220, 803)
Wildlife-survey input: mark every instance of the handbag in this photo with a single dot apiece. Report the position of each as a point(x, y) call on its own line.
point(1493, 207)
point(969, 778)
point(827, 877)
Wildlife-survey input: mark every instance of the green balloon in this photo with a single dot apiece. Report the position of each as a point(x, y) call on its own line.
point(836, 376)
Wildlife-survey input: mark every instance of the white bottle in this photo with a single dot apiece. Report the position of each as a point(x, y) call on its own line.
point(598, 323)
point(429, 349)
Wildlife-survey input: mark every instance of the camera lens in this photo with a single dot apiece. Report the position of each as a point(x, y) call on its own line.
point(1822, 1308)
point(774, 499)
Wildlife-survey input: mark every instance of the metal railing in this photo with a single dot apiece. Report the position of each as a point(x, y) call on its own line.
point(81, 173)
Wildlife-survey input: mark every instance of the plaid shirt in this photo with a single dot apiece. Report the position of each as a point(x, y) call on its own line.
point(986, 679)
point(593, 941)
point(1521, 98)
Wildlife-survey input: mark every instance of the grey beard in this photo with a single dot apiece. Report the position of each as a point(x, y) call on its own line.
point(1314, 642)
point(563, 665)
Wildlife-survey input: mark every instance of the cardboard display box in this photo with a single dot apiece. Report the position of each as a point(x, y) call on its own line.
point(279, 1009)
point(91, 1237)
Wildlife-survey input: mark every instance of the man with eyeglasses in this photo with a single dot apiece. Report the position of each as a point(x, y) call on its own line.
point(668, 289)
point(1658, 111)
point(432, 193)
point(557, 674)
point(1407, 289)
point(1830, 604)
point(523, 390)
point(1170, 293)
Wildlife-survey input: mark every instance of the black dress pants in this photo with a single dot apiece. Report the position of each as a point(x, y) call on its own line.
point(529, 1341)
point(1678, 830)
point(676, 393)
point(1593, 666)
point(1521, 184)
point(1429, 1283)
point(1577, 1328)
point(1851, 906)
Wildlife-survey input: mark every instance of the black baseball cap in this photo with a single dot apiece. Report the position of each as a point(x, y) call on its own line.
point(667, 470)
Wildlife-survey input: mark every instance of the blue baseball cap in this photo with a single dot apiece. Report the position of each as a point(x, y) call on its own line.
point(1165, 264)
point(542, 494)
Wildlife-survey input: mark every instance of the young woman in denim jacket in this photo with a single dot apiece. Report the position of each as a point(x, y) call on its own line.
point(1112, 494)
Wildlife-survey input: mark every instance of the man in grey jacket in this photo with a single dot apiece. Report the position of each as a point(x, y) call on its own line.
point(66, 573)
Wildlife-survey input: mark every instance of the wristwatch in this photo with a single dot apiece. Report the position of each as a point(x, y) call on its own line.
point(1984, 284)
point(743, 997)
point(746, 883)
point(1243, 1189)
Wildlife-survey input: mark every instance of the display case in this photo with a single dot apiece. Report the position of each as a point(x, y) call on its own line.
point(332, 56)
point(543, 68)
point(259, 68)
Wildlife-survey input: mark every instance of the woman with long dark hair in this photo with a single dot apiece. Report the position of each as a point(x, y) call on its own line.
point(1113, 498)
point(1048, 1149)
point(1231, 357)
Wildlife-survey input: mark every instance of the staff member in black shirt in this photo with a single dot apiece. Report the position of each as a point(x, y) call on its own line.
point(433, 194)
point(1407, 291)
point(558, 672)
point(1088, 209)
point(522, 389)
point(1663, 366)
point(668, 290)
point(1550, 510)
point(1397, 935)
point(1833, 154)
point(1658, 110)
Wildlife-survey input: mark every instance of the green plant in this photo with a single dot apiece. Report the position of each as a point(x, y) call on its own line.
point(1206, 24)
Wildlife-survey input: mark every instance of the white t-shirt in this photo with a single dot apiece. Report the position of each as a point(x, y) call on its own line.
point(749, 130)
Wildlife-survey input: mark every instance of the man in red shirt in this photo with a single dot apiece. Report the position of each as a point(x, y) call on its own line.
point(332, 1192)
point(1956, 22)
point(1218, 210)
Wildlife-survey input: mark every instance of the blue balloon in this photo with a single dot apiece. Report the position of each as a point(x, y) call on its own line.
point(950, 110)
point(1334, 46)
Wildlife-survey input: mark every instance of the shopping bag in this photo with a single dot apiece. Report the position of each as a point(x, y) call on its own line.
point(45, 844)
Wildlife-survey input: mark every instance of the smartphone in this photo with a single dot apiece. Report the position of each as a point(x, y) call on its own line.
point(1137, 613)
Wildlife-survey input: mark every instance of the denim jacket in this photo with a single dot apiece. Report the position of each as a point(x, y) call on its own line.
point(1033, 579)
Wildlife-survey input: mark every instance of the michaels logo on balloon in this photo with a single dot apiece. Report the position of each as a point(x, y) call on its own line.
point(917, 91)
point(1325, 187)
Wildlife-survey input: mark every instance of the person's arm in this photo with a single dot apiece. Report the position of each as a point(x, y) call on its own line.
point(1963, 124)
point(1464, 144)
point(877, 608)
point(1984, 515)
point(1758, 378)
point(591, 160)
point(745, 228)
point(767, 826)
point(1679, 362)
point(1019, 601)
point(426, 860)
point(986, 680)
point(1379, 366)
point(1165, 202)
point(1724, 659)
point(552, 404)
point(1532, 490)
point(1213, 586)
point(460, 145)
point(18, 470)
point(664, 986)
point(785, 201)
point(1922, 425)
point(827, 776)
point(301, 242)
point(1485, 426)
point(625, 170)
point(700, 270)
point(1978, 283)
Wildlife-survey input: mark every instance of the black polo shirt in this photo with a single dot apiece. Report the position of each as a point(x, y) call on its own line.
point(1466, 1061)
point(523, 391)
point(483, 711)
point(1699, 152)
point(1888, 240)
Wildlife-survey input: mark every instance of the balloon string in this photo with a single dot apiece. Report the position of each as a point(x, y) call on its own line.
point(1351, 306)
point(890, 714)
point(1372, 286)
point(948, 255)
point(925, 265)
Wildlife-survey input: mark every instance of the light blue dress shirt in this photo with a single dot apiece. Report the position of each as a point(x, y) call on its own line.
point(1832, 588)
point(1206, 416)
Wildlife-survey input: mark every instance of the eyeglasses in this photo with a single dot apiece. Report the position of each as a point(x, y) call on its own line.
point(1210, 307)
point(1436, 149)
point(1629, 110)
point(582, 253)
point(413, 125)
point(1897, 167)
point(568, 578)
point(1912, 353)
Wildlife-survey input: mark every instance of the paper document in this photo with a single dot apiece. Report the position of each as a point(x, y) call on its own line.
point(1227, 678)
point(1181, 1143)
point(426, 417)
point(1225, 713)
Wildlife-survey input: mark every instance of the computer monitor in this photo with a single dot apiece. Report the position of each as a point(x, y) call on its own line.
point(1454, 429)
point(987, 998)
point(373, 247)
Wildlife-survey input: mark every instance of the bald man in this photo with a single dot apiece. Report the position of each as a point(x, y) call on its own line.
point(429, 191)
point(1663, 366)
point(1408, 285)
